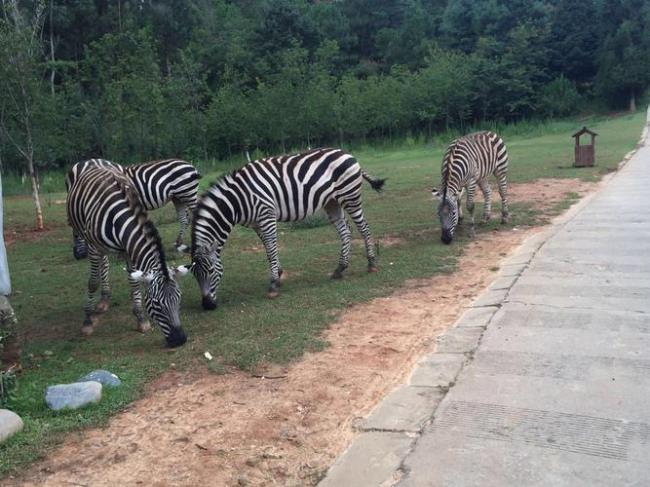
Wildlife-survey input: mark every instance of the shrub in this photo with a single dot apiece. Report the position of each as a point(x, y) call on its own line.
point(559, 98)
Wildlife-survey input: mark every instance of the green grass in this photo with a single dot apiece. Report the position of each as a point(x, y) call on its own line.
point(247, 329)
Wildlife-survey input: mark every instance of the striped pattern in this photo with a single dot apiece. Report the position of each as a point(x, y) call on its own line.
point(284, 188)
point(468, 162)
point(157, 183)
point(105, 210)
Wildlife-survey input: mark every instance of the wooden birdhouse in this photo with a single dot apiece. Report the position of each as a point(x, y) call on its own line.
point(586, 153)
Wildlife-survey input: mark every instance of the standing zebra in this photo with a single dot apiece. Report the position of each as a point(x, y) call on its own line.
point(468, 162)
point(284, 188)
point(156, 183)
point(105, 210)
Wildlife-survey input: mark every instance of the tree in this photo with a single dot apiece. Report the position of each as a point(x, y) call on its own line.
point(124, 95)
point(624, 67)
point(21, 83)
point(559, 98)
point(574, 40)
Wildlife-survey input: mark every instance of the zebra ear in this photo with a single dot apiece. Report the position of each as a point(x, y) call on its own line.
point(141, 276)
point(137, 276)
point(181, 270)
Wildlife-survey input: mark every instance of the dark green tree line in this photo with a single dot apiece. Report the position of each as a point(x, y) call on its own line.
point(131, 80)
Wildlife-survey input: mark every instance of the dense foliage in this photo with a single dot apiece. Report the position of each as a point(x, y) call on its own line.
point(132, 80)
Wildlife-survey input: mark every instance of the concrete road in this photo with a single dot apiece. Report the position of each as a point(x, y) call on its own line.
point(545, 381)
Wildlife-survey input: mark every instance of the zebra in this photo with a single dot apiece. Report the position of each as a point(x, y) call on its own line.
point(468, 162)
point(156, 183)
point(105, 210)
point(283, 188)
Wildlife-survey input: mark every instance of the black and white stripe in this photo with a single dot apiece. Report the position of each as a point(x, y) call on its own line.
point(157, 183)
point(105, 210)
point(468, 162)
point(284, 188)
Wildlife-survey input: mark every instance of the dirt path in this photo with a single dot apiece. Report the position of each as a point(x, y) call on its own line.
point(235, 429)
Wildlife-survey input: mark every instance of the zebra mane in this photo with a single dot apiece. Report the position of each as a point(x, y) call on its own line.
point(224, 178)
point(449, 155)
point(141, 216)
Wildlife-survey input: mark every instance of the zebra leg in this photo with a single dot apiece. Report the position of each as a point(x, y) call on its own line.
point(143, 321)
point(471, 189)
point(93, 285)
point(460, 206)
point(484, 184)
point(356, 213)
point(503, 191)
point(337, 218)
point(267, 230)
point(104, 302)
point(183, 219)
point(281, 274)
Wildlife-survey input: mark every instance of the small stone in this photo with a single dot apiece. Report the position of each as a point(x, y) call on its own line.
point(10, 424)
point(73, 396)
point(104, 377)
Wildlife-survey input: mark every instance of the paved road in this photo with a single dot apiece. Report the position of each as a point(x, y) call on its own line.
point(548, 374)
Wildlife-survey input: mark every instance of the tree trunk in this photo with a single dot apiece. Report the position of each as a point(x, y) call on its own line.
point(632, 101)
point(53, 73)
point(37, 200)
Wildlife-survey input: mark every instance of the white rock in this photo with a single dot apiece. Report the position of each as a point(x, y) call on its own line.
point(10, 424)
point(73, 396)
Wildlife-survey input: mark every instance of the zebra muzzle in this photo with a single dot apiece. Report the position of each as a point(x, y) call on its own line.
point(208, 303)
point(176, 337)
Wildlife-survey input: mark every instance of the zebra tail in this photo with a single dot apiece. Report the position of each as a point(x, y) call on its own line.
point(376, 184)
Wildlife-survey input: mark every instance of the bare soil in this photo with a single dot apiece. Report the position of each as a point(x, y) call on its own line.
point(284, 425)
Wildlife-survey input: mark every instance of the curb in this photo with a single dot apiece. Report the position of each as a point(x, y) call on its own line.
point(390, 432)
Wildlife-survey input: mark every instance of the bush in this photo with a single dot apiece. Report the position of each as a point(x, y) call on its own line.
point(7, 379)
point(559, 98)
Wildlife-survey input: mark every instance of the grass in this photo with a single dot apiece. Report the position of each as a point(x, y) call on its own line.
point(247, 329)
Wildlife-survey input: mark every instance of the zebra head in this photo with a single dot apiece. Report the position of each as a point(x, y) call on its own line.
point(162, 297)
point(448, 213)
point(208, 270)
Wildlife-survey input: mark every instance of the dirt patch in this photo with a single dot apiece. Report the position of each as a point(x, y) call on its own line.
point(288, 424)
point(544, 194)
point(25, 234)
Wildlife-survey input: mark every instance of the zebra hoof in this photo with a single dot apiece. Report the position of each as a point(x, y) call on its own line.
point(273, 294)
point(505, 220)
point(337, 274)
point(87, 330)
point(372, 269)
point(144, 326)
point(102, 306)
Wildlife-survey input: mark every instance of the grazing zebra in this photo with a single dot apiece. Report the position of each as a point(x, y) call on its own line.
point(468, 162)
point(284, 188)
point(156, 183)
point(105, 210)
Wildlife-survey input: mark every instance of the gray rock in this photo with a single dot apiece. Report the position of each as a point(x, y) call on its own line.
point(10, 424)
point(73, 396)
point(104, 377)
